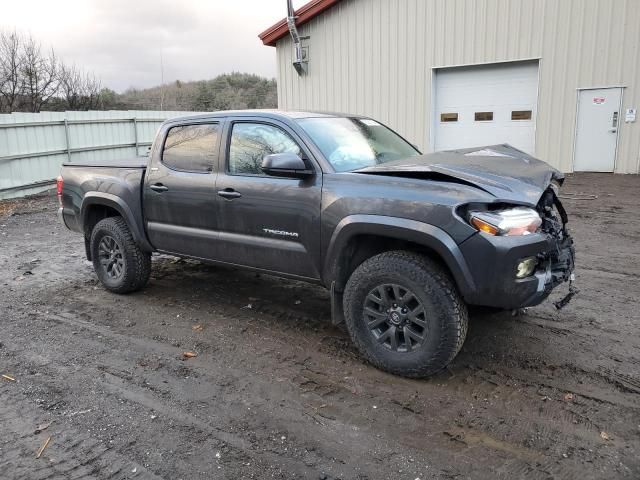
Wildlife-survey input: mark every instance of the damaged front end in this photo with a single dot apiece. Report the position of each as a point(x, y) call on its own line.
point(559, 261)
point(520, 253)
point(521, 249)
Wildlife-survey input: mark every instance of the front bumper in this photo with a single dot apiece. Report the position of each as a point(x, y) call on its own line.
point(493, 260)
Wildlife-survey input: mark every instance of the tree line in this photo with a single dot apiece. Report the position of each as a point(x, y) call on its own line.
point(33, 79)
point(229, 91)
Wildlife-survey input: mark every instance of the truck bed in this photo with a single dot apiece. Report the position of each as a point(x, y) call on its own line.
point(115, 184)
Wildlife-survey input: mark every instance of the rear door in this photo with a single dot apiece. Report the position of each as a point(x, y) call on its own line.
point(267, 222)
point(179, 190)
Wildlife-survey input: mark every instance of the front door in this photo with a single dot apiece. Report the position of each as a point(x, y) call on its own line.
point(267, 222)
point(179, 191)
point(597, 129)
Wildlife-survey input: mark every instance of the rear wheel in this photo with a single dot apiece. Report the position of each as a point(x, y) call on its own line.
point(120, 264)
point(404, 314)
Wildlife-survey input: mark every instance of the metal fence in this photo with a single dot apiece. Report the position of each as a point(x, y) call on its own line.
point(34, 145)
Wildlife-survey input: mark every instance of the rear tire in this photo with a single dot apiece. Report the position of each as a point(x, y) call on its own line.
point(119, 263)
point(404, 314)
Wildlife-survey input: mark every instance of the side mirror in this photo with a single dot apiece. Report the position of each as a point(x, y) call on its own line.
point(285, 165)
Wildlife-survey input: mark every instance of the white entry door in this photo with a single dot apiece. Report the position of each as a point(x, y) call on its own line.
point(597, 129)
point(486, 105)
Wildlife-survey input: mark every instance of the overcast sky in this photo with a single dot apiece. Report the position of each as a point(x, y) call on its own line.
point(120, 40)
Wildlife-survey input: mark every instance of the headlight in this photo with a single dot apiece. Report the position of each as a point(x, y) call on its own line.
point(512, 221)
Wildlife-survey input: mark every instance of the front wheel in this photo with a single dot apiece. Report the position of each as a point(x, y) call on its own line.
point(120, 264)
point(404, 314)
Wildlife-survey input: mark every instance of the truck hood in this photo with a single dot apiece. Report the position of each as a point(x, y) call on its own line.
point(503, 171)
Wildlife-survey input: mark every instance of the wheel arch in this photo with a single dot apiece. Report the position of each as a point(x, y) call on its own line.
point(358, 237)
point(98, 205)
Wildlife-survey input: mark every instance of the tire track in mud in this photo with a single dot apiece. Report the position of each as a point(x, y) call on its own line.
point(71, 454)
point(552, 429)
point(552, 353)
point(117, 381)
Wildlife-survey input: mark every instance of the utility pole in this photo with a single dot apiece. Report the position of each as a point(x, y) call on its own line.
point(161, 82)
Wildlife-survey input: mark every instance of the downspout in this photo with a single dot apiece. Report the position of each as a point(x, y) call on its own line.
point(299, 62)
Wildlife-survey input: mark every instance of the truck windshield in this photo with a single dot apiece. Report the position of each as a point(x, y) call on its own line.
point(354, 143)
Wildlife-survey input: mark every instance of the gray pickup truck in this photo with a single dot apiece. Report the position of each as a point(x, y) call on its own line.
point(403, 241)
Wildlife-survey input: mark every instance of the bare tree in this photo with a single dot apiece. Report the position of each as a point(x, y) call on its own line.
point(80, 91)
point(32, 78)
point(70, 85)
point(11, 82)
point(40, 74)
point(91, 88)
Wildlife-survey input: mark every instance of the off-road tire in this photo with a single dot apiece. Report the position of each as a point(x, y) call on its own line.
point(137, 264)
point(445, 312)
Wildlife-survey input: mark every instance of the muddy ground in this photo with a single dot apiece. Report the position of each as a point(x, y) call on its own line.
point(276, 391)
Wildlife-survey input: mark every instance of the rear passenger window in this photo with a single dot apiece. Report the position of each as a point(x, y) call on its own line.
point(191, 148)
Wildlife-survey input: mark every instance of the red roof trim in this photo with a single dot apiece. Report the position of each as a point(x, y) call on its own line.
point(305, 13)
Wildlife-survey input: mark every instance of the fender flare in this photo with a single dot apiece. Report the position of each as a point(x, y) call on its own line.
point(112, 201)
point(414, 231)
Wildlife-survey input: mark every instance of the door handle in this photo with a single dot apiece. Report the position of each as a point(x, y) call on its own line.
point(158, 187)
point(229, 193)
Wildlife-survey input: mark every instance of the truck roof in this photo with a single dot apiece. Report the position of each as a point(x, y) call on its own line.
point(265, 113)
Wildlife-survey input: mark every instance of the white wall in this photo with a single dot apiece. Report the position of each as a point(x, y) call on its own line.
point(376, 57)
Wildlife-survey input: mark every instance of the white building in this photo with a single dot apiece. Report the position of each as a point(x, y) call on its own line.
point(556, 78)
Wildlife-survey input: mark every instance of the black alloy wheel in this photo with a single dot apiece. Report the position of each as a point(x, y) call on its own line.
point(110, 257)
point(395, 317)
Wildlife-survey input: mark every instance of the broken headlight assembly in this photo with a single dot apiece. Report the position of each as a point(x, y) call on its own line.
point(513, 221)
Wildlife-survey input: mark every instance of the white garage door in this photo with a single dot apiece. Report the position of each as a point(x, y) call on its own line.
point(486, 105)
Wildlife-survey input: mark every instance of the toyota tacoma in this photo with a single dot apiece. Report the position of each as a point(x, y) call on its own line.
point(404, 242)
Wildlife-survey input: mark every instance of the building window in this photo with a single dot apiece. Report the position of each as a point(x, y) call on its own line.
point(521, 115)
point(484, 116)
point(448, 117)
point(251, 142)
point(191, 148)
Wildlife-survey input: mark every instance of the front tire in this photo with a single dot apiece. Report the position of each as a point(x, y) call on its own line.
point(404, 314)
point(119, 263)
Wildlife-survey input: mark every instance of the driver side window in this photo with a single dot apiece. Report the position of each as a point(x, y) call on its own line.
point(251, 142)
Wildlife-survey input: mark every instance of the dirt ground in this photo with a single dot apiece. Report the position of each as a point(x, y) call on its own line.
point(276, 391)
